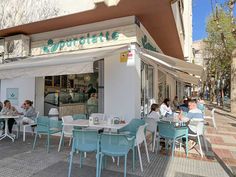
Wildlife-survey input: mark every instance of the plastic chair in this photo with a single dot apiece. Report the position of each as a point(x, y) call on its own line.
point(132, 127)
point(66, 130)
point(79, 116)
point(201, 106)
point(141, 138)
point(199, 133)
point(29, 125)
point(152, 127)
point(47, 127)
point(212, 117)
point(171, 133)
point(84, 141)
point(115, 145)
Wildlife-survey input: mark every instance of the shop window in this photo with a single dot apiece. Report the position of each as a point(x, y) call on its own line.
point(76, 89)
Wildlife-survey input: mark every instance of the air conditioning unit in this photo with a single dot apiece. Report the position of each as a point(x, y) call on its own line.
point(16, 47)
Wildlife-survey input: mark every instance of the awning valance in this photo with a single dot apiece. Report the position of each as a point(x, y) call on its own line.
point(56, 64)
point(174, 63)
point(178, 69)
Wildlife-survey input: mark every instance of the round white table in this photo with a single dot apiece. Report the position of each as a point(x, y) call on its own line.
point(6, 118)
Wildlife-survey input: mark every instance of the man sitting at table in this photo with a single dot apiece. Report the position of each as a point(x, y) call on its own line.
point(193, 114)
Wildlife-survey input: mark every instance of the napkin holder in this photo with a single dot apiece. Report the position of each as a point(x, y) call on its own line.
point(116, 120)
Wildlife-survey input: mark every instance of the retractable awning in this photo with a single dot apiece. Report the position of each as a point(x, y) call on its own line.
point(179, 69)
point(56, 64)
point(173, 63)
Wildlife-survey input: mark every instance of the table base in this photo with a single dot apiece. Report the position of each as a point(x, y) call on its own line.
point(6, 135)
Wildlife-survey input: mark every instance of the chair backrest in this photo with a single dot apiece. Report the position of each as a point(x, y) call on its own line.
point(133, 126)
point(67, 129)
point(140, 135)
point(200, 128)
point(100, 116)
point(151, 124)
point(166, 129)
point(79, 116)
point(115, 144)
point(201, 106)
point(37, 115)
point(85, 140)
point(43, 124)
point(213, 113)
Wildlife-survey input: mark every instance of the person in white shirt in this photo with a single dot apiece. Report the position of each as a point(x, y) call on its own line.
point(165, 108)
point(29, 113)
point(154, 112)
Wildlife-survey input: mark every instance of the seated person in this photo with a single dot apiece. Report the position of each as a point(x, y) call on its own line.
point(193, 114)
point(154, 113)
point(29, 112)
point(93, 99)
point(175, 103)
point(8, 109)
point(184, 106)
point(165, 108)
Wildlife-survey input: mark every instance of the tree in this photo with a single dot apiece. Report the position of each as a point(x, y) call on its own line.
point(17, 12)
point(220, 43)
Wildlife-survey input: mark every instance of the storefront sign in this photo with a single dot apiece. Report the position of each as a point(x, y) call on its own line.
point(12, 94)
point(78, 42)
point(147, 45)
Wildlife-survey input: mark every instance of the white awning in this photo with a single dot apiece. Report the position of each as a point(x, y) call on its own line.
point(174, 63)
point(169, 66)
point(56, 64)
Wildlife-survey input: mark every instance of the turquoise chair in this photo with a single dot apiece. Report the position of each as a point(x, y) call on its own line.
point(115, 145)
point(79, 116)
point(131, 131)
point(201, 107)
point(168, 131)
point(132, 127)
point(47, 126)
point(84, 141)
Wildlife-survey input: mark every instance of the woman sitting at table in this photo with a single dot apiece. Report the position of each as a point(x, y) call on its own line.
point(154, 112)
point(29, 112)
point(8, 109)
point(165, 108)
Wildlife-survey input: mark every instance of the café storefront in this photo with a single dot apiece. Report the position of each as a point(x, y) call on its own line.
point(114, 65)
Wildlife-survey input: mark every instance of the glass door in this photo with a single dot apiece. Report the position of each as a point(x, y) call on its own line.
point(146, 88)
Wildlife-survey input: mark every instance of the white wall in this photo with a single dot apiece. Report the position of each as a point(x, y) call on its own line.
point(26, 89)
point(122, 85)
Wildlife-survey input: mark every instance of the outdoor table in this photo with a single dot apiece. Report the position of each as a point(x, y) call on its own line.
point(101, 125)
point(78, 122)
point(5, 134)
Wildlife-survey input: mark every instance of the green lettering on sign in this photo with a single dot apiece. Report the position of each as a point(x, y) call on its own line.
point(147, 45)
point(88, 39)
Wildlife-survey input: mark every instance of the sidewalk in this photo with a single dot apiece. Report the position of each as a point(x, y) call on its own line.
point(223, 139)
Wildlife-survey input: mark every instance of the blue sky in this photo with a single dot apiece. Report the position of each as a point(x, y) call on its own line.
point(201, 10)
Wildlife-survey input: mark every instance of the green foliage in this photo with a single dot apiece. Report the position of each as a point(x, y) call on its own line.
point(220, 42)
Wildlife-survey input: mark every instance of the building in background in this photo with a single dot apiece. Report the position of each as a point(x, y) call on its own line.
point(120, 55)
